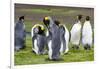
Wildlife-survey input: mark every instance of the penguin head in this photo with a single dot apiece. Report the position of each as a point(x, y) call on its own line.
point(87, 18)
point(57, 22)
point(79, 17)
point(46, 21)
point(61, 26)
point(40, 30)
point(21, 18)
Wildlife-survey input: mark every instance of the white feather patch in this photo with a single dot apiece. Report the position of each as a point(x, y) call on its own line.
point(50, 49)
point(36, 47)
point(67, 39)
point(75, 33)
point(87, 33)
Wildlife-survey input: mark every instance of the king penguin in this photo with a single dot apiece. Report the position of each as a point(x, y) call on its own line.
point(20, 34)
point(87, 34)
point(54, 42)
point(64, 33)
point(76, 33)
point(38, 39)
point(64, 37)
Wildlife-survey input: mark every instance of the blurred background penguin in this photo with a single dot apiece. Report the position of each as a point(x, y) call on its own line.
point(76, 33)
point(87, 34)
point(20, 34)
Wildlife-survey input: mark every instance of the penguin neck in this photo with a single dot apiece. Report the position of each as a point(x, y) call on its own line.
point(87, 22)
point(51, 21)
point(78, 21)
point(41, 32)
point(20, 21)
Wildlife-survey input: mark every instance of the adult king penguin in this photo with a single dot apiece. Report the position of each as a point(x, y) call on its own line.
point(87, 34)
point(54, 42)
point(38, 39)
point(76, 33)
point(64, 37)
point(20, 34)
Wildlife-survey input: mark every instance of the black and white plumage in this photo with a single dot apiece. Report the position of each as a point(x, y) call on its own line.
point(54, 42)
point(20, 34)
point(76, 32)
point(38, 39)
point(87, 34)
point(64, 36)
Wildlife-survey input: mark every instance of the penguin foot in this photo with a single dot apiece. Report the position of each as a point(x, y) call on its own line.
point(23, 47)
point(47, 59)
point(17, 49)
point(66, 53)
point(45, 52)
point(87, 47)
point(58, 59)
point(33, 52)
point(77, 47)
point(73, 47)
point(54, 59)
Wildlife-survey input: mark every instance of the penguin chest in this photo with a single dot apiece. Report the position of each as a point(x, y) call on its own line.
point(75, 34)
point(87, 34)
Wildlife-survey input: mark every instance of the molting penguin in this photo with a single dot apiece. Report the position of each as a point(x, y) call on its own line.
point(54, 43)
point(64, 37)
point(76, 32)
point(20, 34)
point(87, 34)
point(38, 39)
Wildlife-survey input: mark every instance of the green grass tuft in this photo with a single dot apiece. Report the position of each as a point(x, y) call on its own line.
point(25, 56)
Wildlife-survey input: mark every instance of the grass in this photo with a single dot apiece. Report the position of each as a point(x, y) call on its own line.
point(50, 11)
point(25, 56)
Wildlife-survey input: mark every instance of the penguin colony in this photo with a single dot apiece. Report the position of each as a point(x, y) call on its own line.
point(53, 38)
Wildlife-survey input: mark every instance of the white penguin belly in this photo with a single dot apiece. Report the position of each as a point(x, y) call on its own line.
point(87, 34)
point(75, 34)
point(61, 49)
point(50, 49)
point(67, 40)
point(35, 46)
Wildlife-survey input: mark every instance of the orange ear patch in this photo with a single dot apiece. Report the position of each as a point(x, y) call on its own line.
point(46, 18)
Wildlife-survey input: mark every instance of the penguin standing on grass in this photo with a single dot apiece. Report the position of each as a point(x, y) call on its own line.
point(64, 37)
point(20, 34)
point(38, 39)
point(76, 33)
point(87, 34)
point(54, 43)
point(64, 33)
